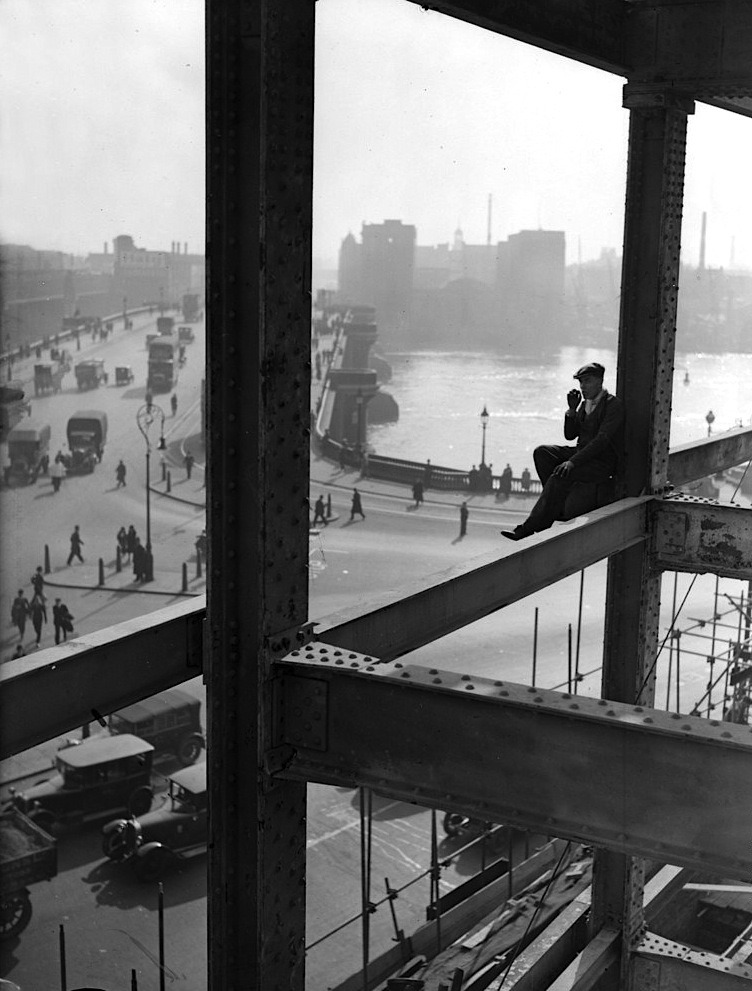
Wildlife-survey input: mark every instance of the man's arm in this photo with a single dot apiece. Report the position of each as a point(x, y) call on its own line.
point(571, 420)
point(608, 434)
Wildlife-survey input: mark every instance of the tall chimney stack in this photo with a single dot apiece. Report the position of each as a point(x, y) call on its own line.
point(185, 248)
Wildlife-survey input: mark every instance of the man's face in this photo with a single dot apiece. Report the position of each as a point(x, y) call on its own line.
point(590, 385)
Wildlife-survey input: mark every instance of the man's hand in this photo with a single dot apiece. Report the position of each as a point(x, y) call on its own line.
point(562, 470)
point(573, 398)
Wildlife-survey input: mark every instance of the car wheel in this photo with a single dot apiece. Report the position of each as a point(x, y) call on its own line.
point(190, 749)
point(113, 845)
point(453, 823)
point(140, 801)
point(15, 913)
point(154, 864)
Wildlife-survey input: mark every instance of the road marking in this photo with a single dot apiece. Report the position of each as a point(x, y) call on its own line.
point(349, 825)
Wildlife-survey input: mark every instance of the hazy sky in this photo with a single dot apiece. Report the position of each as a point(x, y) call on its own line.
point(418, 117)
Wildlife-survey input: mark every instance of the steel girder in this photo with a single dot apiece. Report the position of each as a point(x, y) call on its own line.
point(57, 689)
point(702, 458)
point(700, 535)
point(259, 173)
point(408, 618)
point(662, 965)
point(565, 765)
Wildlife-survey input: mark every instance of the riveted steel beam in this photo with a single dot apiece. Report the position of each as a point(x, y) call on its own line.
point(590, 31)
point(260, 165)
point(660, 964)
point(639, 781)
point(55, 690)
point(699, 535)
point(688, 462)
point(412, 616)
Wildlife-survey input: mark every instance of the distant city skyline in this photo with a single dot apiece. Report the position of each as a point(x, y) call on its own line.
point(418, 117)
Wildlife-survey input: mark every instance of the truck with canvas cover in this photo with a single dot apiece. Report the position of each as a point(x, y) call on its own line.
point(28, 451)
point(48, 377)
point(87, 434)
point(90, 373)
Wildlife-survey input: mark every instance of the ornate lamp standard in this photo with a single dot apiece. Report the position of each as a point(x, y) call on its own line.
point(484, 418)
point(146, 417)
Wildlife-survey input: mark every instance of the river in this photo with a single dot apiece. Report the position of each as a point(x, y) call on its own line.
point(441, 394)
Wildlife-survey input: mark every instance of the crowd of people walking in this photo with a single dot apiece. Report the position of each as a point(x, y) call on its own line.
point(34, 609)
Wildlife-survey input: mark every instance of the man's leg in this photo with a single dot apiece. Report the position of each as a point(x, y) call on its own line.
point(550, 504)
point(550, 456)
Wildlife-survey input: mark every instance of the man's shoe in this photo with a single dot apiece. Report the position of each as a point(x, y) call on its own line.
point(512, 534)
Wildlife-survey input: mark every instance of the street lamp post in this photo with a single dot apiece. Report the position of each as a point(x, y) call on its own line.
point(359, 421)
point(484, 418)
point(146, 417)
point(125, 312)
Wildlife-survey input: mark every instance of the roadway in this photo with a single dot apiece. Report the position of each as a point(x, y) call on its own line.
point(110, 918)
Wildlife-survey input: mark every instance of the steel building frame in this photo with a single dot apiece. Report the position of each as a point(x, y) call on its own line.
point(277, 717)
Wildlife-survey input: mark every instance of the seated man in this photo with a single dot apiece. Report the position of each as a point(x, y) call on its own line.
point(579, 479)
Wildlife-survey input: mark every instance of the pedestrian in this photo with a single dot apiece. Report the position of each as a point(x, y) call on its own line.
point(418, 493)
point(525, 480)
point(357, 506)
point(505, 482)
point(38, 613)
point(710, 420)
point(57, 472)
point(75, 545)
point(464, 513)
point(319, 512)
point(139, 561)
point(19, 652)
point(62, 620)
point(579, 479)
point(120, 474)
point(131, 539)
point(174, 403)
point(189, 461)
point(37, 582)
point(19, 612)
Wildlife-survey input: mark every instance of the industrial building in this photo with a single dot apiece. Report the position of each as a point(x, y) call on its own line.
point(288, 704)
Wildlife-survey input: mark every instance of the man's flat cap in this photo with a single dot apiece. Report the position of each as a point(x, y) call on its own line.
point(592, 368)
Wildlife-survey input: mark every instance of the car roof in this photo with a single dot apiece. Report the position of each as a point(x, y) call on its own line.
point(156, 705)
point(192, 778)
point(100, 749)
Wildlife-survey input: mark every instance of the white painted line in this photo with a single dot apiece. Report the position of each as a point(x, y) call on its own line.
point(349, 825)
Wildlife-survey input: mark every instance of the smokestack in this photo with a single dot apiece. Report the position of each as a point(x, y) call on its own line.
point(185, 248)
point(490, 210)
point(702, 241)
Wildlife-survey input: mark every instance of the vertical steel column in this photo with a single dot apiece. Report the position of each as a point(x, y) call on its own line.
point(260, 156)
point(650, 274)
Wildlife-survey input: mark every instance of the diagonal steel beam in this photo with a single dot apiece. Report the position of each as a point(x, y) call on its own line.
point(408, 618)
point(564, 765)
point(689, 462)
point(699, 535)
point(660, 964)
point(57, 689)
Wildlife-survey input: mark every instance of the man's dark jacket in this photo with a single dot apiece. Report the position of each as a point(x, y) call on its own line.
point(600, 436)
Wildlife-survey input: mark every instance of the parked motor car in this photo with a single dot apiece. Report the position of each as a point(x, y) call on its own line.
point(93, 779)
point(169, 721)
point(175, 830)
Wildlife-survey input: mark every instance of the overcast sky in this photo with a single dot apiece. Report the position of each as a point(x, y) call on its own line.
point(418, 118)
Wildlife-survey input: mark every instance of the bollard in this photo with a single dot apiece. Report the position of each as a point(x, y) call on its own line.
point(164, 469)
point(329, 506)
point(118, 560)
point(169, 482)
point(101, 571)
point(47, 568)
point(198, 563)
point(185, 577)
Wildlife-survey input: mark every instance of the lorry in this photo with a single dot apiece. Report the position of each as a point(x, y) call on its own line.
point(13, 406)
point(28, 451)
point(185, 335)
point(165, 325)
point(27, 855)
point(48, 377)
point(162, 366)
point(190, 307)
point(90, 373)
point(87, 434)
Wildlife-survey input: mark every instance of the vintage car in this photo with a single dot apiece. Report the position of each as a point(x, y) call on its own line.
point(95, 778)
point(87, 433)
point(123, 375)
point(170, 722)
point(175, 830)
point(90, 373)
point(28, 451)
